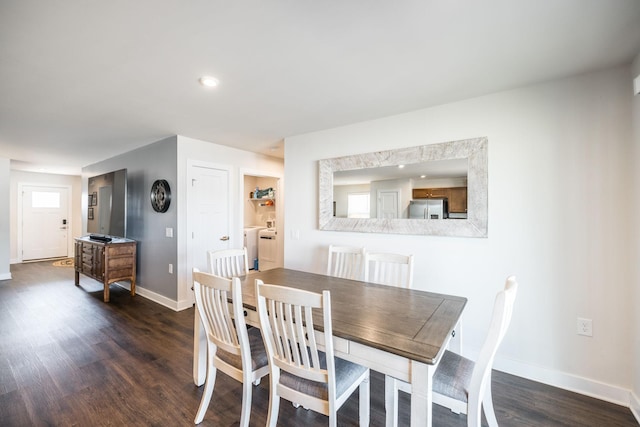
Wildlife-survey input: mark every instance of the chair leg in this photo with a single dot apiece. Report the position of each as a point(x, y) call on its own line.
point(364, 401)
point(391, 401)
point(487, 404)
point(209, 384)
point(474, 412)
point(274, 400)
point(246, 402)
point(333, 419)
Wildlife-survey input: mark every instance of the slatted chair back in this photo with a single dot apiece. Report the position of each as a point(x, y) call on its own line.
point(228, 262)
point(346, 262)
point(213, 294)
point(388, 269)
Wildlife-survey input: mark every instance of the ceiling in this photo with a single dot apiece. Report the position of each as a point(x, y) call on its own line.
point(434, 169)
point(85, 80)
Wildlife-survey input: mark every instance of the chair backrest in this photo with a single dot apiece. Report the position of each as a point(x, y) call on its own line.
point(212, 301)
point(346, 262)
point(286, 321)
point(388, 269)
point(228, 262)
point(500, 319)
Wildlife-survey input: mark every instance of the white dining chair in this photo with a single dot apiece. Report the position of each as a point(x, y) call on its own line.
point(299, 371)
point(228, 262)
point(460, 384)
point(231, 347)
point(346, 262)
point(388, 269)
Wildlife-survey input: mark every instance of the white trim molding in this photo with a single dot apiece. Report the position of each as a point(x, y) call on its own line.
point(162, 300)
point(634, 405)
point(586, 386)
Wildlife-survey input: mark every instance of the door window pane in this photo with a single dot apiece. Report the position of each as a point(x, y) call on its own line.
point(45, 199)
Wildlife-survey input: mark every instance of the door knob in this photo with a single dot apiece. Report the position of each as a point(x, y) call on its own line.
point(224, 238)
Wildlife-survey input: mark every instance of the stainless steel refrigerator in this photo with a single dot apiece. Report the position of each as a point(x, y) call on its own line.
point(429, 209)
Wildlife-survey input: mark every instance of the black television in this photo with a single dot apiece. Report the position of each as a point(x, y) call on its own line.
point(107, 204)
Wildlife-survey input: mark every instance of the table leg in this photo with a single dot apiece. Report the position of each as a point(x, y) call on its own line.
point(391, 401)
point(199, 350)
point(421, 394)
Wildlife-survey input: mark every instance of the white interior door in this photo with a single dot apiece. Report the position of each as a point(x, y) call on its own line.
point(388, 204)
point(208, 213)
point(45, 213)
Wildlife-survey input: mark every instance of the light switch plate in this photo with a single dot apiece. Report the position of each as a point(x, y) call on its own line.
point(168, 232)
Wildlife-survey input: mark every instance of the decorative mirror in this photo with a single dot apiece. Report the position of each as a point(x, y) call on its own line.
point(396, 175)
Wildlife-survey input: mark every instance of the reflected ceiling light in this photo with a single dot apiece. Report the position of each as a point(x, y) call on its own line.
point(208, 81)
point(400, 166)
point(423, 176)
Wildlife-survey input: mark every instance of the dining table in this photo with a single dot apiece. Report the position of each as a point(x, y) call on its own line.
point(399, 332)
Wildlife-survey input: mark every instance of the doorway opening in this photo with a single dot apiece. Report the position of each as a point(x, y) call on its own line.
point(262, 221)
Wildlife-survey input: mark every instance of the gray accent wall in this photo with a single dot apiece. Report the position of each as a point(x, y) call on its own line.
point(146, 226)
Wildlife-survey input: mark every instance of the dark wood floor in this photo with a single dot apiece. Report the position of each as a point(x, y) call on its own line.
point(67, 358)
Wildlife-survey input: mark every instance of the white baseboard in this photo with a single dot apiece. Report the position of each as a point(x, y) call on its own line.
point(162, 300)
point(635, 406)
point(577, 384)
point(5, 276)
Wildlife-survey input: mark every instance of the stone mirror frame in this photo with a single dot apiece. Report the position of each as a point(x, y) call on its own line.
point(474, 150)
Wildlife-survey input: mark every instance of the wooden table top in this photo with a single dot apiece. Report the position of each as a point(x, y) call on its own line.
point(410, 323)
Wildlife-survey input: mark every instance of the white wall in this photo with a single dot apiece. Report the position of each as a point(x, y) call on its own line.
point(5, 202)
point(34, 178)
point(559, 212)
point(635, 398)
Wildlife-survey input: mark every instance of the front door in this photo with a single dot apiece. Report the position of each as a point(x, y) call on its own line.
point(45, 213)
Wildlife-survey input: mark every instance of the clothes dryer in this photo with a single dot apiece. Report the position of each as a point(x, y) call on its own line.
point(267, 249)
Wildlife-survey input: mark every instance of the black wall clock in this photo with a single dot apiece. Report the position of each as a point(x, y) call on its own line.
point(160, 195)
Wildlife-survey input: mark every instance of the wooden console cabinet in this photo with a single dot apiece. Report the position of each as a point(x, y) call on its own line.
point(107, 262)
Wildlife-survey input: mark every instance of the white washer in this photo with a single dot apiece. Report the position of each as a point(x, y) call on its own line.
point(251, 243)
point(267, 249)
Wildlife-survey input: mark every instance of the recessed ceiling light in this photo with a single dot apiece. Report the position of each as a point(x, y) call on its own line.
point(208, 81)
point(423, 176)
point(400, 166)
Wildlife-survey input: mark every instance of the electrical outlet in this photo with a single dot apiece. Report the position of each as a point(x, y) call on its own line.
point(170, 268)
point(585, 327)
